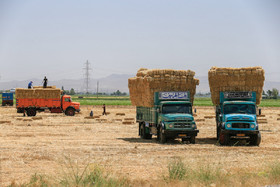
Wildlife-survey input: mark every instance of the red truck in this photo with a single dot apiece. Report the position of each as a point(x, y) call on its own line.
point(33, 100)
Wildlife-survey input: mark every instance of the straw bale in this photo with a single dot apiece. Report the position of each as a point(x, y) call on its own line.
point(148, 81)
point(38, 93)
point(235, 79)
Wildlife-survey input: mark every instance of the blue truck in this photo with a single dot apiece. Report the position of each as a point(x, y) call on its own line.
point(7, 99)
point(236, 118)
point(171, 117)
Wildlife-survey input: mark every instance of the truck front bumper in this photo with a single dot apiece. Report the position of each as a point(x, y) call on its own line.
point(239, 134)
point(180, 133)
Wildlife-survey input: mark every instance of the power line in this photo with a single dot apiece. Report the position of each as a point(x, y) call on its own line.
point(87, 76)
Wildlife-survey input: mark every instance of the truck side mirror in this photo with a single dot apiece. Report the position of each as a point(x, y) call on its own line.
point(260, 111)
point(195, 110)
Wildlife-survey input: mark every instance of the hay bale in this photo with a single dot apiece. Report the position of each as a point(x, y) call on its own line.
point(4, 121)
point(209, 117)
point(101, 120)
point(147, 82)
point(120, 114)
point(262, 120)
point(38, 93)
point(27, 119)
point(198, 120)
point(235, 79)
point(117, 120)
point(129, 119)
point(127, 122)
point(89, 117)
point(37, 118)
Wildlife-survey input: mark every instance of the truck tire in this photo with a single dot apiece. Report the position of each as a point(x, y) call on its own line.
point(20, 110)
point(31, 112)
point(223, 139)
point(70, 112)
point(143, 133)
point(255, 139)
point(218, 133)
point(192, 140)
point(162, 137)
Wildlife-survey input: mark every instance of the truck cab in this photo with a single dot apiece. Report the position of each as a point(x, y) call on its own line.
point(236, 118)
point(170, 118)
point(68, 106)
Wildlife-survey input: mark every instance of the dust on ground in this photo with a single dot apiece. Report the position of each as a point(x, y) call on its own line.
point(41, 145)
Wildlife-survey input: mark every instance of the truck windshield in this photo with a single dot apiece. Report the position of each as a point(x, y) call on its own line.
point(176, 108)
point(239, 109)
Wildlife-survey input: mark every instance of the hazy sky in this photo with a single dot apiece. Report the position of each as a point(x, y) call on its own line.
point(55, 38)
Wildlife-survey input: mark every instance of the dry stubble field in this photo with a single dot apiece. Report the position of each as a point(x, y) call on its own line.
point(40, 145)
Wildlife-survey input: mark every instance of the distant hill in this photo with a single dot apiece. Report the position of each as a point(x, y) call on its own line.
point(109, 84)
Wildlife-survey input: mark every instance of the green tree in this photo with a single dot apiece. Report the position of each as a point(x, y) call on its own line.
point(269, 93)
point(274, 93)
point(72, 91)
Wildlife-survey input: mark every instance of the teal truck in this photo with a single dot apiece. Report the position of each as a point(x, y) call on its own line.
point(171, 117)
point(236, 118)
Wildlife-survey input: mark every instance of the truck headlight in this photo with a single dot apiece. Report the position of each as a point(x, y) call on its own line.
point(170, 125)
point(228, 125)
point(193, 126)
point(252, 126)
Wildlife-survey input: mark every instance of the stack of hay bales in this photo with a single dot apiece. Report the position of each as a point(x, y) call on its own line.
point(235, 79)
point(148, 81)
point(38, 93)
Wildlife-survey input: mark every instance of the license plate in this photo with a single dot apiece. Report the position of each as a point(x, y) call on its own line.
point(240, 134)
point(182, 135)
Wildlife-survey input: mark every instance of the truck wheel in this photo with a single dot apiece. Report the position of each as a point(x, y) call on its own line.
point(223, 139)
point(70, 112)
point(218, 133)
point(192, 140)
point(162, 137)
point(256, 139)
point(143, 133)
point(31, 112)
point(184, 140)
point(20, 110)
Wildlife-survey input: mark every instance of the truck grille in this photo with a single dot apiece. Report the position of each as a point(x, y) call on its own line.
point(182, 125)
point(241, 125)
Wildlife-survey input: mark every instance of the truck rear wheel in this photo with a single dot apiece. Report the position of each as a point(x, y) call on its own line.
point(70, 112)
point(255, 139)
point(143, 133)
point(31, 112)
point(192, 140)
point(162, 137)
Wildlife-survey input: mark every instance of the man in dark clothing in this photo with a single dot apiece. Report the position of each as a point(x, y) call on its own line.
point(104, 109)
point(30, 85)
point(45, 82)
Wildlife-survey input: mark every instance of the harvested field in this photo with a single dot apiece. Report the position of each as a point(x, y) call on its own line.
point(41, 145)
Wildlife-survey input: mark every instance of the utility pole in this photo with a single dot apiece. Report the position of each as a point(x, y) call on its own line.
point(87, 76)
point(97, 89)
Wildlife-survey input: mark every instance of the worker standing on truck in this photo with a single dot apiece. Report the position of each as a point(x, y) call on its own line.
point(104, 109)
point(30, 85)
point(45, 82)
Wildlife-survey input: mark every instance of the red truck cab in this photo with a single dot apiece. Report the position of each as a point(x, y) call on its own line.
point(68, 106)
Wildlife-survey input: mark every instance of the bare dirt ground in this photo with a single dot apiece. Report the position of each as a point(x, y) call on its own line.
point(40, 145)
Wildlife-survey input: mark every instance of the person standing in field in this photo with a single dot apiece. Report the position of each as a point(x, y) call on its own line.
point(45, 82)
point(30, 85)
point(104, 109)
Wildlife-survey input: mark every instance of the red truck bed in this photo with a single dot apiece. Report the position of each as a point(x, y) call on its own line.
point(53, 103)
